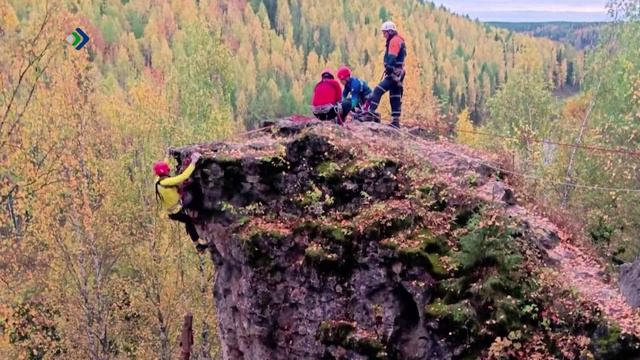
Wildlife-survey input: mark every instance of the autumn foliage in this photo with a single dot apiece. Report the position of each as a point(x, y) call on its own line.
point(87, 268)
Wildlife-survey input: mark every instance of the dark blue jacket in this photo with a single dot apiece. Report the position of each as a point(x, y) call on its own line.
point(395, 52)
point(358, 89)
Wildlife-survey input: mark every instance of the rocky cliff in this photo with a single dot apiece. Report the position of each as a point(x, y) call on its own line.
point(363, 242)
point(630, 282)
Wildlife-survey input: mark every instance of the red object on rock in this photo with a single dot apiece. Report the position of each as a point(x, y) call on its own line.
point(299, 118)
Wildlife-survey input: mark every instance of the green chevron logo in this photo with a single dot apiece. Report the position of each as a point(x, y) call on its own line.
point(78, 39)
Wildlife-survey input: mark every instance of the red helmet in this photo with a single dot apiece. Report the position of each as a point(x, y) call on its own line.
point(161, 168)
point(327, 73)
point(344, 73)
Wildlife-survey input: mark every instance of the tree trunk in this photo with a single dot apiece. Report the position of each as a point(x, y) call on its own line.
point(164, 338)
point(165, 348)
point(205, 348)
point(186, 337)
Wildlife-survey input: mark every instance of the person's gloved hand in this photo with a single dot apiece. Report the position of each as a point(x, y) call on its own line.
point(195, 157)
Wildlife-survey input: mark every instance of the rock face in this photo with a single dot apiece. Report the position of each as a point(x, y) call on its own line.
point(630, 282)
point(345, 243)
point(292, 282)
point(292, 306)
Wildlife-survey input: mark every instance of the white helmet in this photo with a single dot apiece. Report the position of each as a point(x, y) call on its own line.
point(388, 26)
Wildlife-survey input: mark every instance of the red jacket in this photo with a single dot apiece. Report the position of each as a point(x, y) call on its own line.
point(326, 92)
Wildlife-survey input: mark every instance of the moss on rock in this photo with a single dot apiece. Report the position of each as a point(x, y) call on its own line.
point(609, 342)
point(312, 196)
point(389, 244)
point(328, 169)
point(369, 346)
point(455, 317)
point(432, 243)
point(257, 246)
point(274, 164)
point(325, 233)
point(335, 233)
point(385, 228)
point(361, 167)
point(317, 255)
point(227, 161)
point(345, 335)
point(437, 268)
point(414, 256)
point(335, 332)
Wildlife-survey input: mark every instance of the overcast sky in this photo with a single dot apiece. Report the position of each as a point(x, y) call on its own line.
point(532, 10)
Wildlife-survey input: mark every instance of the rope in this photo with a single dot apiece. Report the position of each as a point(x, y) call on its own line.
point(444, 128)
point(539, 141)
point(340, 120)
point(530, 177)
point(500, 169)
point(249, 132)
point(176, 117)
point(497, 168)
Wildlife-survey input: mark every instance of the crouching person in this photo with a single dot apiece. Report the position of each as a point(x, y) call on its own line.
point(168, 194)
point(326, 103)
point(356, 92)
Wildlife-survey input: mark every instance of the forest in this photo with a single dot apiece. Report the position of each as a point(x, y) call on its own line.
point(579, 35)
point(89, 269)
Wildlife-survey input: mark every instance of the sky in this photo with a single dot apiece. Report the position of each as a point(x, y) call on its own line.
point(531, 10)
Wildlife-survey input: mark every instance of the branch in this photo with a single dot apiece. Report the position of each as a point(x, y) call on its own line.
point(47, 15)
point(14, 93)
point(20, 80)
point(7, 285)
point(28, 101)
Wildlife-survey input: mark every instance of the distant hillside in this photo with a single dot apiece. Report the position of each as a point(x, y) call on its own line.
point(579, 34)
point(453, 63)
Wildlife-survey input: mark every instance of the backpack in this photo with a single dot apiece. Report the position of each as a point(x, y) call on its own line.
point(158, 195)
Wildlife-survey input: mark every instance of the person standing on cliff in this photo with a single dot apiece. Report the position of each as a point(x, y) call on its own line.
point(395, 53)
point(169, 196)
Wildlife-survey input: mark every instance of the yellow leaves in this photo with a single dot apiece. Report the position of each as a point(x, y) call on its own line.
point(185, 11)
point(101, 123)
point(499, 348)
point(149, 96)
point(32, 330)
point(465, 130)
point(313, 65)
point(296, 91)
point(8, 18)
point(575, 109)
point(5, 347)
point(283, 19)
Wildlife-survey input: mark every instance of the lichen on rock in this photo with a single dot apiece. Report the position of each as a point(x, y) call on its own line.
point(347, 243)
